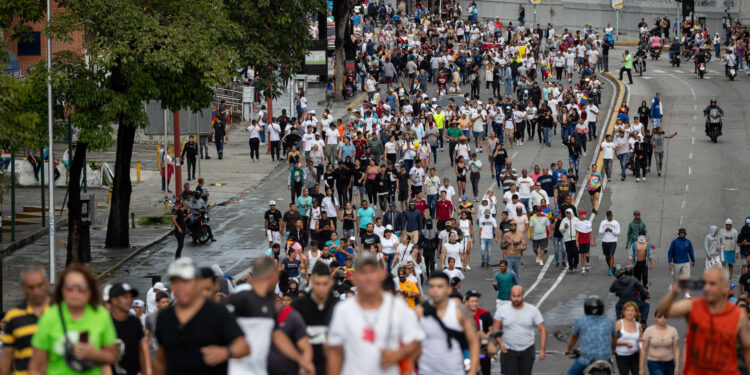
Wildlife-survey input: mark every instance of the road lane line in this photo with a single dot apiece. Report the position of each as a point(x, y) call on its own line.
point(690, 87)
point(684, 203)
point(549, 291)
point(681, 217)
point(691, 155)
point(514, 155)
point(687, 187)
point(693, 141)
point(690, 171)
point(541, 275)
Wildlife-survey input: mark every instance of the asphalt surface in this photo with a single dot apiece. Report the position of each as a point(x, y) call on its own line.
point(701, 185)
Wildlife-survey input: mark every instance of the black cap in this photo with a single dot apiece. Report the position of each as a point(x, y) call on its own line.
point(120, 289)
point(472, 293)
point(681, 230)
point(636, 213)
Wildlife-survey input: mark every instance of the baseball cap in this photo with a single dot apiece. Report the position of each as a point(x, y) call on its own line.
point(582, 212)
point(729, 221)
point(120, 289)
point(138, 303)
point(486, 212)
point(366, 258)
point(160, 286)
point(272, 203)
point(352, 238)
point(182, 268)
point(636, 212)
point(389, 227)
point(682, 230)
point(747, 220)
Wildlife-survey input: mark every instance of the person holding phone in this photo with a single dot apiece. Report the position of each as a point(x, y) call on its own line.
point(77, 332)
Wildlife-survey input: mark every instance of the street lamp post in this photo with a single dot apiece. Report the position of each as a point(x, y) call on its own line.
point(50, 155)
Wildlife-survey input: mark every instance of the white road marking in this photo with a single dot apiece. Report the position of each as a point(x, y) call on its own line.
point(684, 203)
point(541, 275)
point(687, 187)
point(646, 78)
point(549, 291)
point(658, 71)
point(681, 220)
point(693, 141)
point(693, 129)
point(514, 155)
point(690, 171)
point(695, 117)
point(686, 84)
point(695, 108)
point(691, 155)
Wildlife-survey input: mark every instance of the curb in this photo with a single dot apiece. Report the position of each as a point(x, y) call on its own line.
point(621, 89)
point(356, 102)
point(133, 254)
point(20, 243)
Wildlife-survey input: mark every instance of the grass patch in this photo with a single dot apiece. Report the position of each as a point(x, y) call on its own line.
point(154, 220)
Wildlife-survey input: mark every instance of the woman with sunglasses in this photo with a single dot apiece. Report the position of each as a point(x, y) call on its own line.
point(75, 332)
point(660, 349)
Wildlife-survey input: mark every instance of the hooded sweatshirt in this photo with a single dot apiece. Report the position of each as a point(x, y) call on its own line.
point(728, 239)
point(744, 235)
point(656, 108)
point(681, 251)
point(711, 243)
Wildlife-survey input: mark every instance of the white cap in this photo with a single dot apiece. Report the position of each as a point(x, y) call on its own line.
point(728, 222)
point(389, 227)
point(182, 268)
point(138, 303)
point(272, 203)
point(160, 286)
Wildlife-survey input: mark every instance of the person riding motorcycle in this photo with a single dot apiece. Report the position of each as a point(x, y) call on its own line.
point(627, 288)
point(730, 61)
point(708, 111)
point(675, 50)
point(655, 44)
point(590, 329)
point(199, 207)
point(700, 58)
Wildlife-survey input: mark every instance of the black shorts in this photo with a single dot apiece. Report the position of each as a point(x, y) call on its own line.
point(583, 248)
point(598, 190)
point(403, 195)
point(608, 248)
point(461, 178)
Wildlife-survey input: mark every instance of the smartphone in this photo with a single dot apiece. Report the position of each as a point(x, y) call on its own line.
point(691, 284)
point(83, 337)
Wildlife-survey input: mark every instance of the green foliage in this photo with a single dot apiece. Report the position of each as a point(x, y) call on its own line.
point(16, 121)
point(274, 37)
point(24, 10)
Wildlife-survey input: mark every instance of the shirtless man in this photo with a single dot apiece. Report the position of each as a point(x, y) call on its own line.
point(643, 261)
point(513, 245)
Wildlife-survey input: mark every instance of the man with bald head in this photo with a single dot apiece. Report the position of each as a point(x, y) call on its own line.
point(714, 324)
point(518, 320)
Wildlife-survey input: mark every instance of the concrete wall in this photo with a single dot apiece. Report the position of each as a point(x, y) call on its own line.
point(576, 13)
point(154, 132)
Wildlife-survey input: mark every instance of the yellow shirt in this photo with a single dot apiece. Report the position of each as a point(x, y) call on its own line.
point(410, 288)
point(439, 119)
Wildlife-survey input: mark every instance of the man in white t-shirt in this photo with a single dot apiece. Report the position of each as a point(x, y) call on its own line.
point(371, 332)
point(487, 233)
point(518, 320)
point(450, 192)
point(332, 141)
point(525, 185)
point(592, 117)
point(608, 155)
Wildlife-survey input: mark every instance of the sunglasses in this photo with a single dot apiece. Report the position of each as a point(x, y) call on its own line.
point(76, 287)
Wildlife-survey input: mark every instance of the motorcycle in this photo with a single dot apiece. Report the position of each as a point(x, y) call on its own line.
point(655, 52)
point(732, 73)
point(201, 230)
point(639, 63)
point(594, 95)
point(595, 367)
point(676, 59)
point(701, 69)
point(714, 124)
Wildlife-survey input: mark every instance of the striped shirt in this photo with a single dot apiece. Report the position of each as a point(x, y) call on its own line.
point(20, 326)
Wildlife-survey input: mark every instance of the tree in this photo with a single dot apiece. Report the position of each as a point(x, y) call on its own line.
point(273, 38)
point(173, 51)
point(342, 12)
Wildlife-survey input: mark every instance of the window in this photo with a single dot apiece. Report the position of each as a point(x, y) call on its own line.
point(32, 46)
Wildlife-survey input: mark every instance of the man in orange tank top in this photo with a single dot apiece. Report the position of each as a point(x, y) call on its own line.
point(714, 325)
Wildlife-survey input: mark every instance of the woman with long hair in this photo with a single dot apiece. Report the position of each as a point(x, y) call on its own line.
point(626, 351)
point(76, 332)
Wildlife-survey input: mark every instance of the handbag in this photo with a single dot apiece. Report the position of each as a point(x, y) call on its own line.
point(75, 364)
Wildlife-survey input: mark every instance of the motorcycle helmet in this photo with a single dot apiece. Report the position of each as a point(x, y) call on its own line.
point(593, 305)
point(618, 270)
point(713, 100)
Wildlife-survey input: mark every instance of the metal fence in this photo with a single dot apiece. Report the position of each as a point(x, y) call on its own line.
point(190, 123)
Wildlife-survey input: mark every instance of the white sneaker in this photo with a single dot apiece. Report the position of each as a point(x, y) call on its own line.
point(468, 267)
point(637, 179)
point(644, 179)
point(583, 270)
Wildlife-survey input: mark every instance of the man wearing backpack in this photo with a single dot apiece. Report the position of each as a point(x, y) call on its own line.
point(449, 330)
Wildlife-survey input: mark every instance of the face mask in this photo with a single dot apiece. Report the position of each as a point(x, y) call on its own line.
point(429, 226)
point(642, 239)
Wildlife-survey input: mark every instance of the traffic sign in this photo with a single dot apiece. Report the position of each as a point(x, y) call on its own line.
point(617, 4)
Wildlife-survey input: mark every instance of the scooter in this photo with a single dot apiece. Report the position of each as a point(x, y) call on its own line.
point(701, 69)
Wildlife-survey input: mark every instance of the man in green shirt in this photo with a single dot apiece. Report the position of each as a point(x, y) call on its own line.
point(504, 281)
point(628, 60)
point(454, 133)
point(636, 226)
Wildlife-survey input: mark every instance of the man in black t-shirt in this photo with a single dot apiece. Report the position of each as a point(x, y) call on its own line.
point(220, 128)
point(745, 282)
point(195, 335)
point(256, 315)
point(290, 219)
point(316, 308)
point(272, 224)
point(129, 332)
point(179, 220)
point(369, 239)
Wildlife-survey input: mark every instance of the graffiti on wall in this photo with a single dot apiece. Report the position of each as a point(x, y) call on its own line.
point(721, 5)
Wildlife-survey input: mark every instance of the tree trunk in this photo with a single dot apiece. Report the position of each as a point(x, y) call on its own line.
point(342, 10)
point(117, 226)
point(79, 244)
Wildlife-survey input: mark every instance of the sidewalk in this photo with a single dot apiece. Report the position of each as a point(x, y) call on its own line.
point(227, 180)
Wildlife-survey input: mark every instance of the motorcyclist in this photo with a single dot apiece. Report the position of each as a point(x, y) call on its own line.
point(590, 329)
point(655, 43)
point(628, 288)
point(730, 61)
point(700, 58)
point(675, 51)
point(707, 112)
point(199, 207)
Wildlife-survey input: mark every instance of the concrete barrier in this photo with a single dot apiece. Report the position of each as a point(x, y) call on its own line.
point(25, 175)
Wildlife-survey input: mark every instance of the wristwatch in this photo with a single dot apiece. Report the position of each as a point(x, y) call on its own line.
point(229, 352)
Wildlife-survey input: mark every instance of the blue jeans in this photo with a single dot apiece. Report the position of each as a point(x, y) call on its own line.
point(4, 163)
point(623, 163)
point(498, 170)
point(514, 264)
point(432, 203)
point(408, 163)
point(717, 49)
point(440, 138)
point(434, 153)
point(564, 134)
point(509, 87)
point(557, 242)
point(388, 261)
point(548, 136)
point(573, 161)
point(525, 202)
point(660, 367)
point(486, 246)
point(577, 368)
point(263, 134)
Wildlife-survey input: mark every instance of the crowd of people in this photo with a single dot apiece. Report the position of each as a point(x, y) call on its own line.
point(364, 268)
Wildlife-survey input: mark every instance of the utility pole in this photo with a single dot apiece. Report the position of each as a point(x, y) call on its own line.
point(177, 151)
point(50, 155)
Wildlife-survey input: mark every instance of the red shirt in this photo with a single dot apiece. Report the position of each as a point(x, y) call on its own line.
point(444, 210)
point(421, 206)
